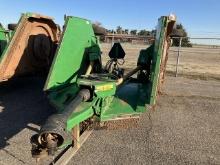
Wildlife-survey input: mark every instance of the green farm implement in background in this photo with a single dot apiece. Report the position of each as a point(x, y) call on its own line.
point(27, 47)
point(4, 38)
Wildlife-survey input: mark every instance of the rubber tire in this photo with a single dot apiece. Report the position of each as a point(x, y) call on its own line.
point(12, 26)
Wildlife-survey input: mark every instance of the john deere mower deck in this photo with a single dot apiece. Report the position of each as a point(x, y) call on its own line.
point(84, 92)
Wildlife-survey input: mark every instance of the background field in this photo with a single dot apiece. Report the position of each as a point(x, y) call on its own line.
point(199, 61)
point(183, 129)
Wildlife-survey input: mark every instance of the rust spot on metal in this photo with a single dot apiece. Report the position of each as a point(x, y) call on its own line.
point(164, 57)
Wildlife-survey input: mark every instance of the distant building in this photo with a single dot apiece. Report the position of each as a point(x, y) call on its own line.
point(109, 37)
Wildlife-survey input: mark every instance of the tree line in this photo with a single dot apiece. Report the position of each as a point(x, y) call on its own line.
point(120, 30)
point(178, 31)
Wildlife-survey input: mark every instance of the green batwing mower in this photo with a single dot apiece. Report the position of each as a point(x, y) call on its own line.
point(85, 92)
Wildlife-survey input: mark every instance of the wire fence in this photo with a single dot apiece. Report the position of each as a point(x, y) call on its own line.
point(200, 61)
point(202, 58)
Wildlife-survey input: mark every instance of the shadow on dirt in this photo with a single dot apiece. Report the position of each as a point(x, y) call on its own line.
point(16, 98)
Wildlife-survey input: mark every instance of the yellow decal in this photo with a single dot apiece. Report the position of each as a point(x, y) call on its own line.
point(104, 87)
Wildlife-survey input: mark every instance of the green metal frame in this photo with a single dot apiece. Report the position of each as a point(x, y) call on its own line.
point(79, 46)
point(156, 58)
point(68, 64)
point(4, 38)
point(8, 36)
point(132, 99)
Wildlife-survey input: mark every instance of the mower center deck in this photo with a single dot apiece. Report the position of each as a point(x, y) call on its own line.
point(129, 100)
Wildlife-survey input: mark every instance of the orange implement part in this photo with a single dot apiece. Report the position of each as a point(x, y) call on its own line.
point(31, 48)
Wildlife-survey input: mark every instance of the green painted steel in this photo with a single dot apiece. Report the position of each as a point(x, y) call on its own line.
point(81, 89)
point(79, 46)
point(78, 36)
point(9, 35)
point(129, 100)
point(111, 103)
point(82, 113)
point(3, 39)
point(156, 58)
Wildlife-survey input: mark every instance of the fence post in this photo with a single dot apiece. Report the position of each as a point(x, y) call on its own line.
point(113, 39)
point(178, 56)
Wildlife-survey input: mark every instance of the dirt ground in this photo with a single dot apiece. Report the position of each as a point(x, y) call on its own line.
point(183, 129)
